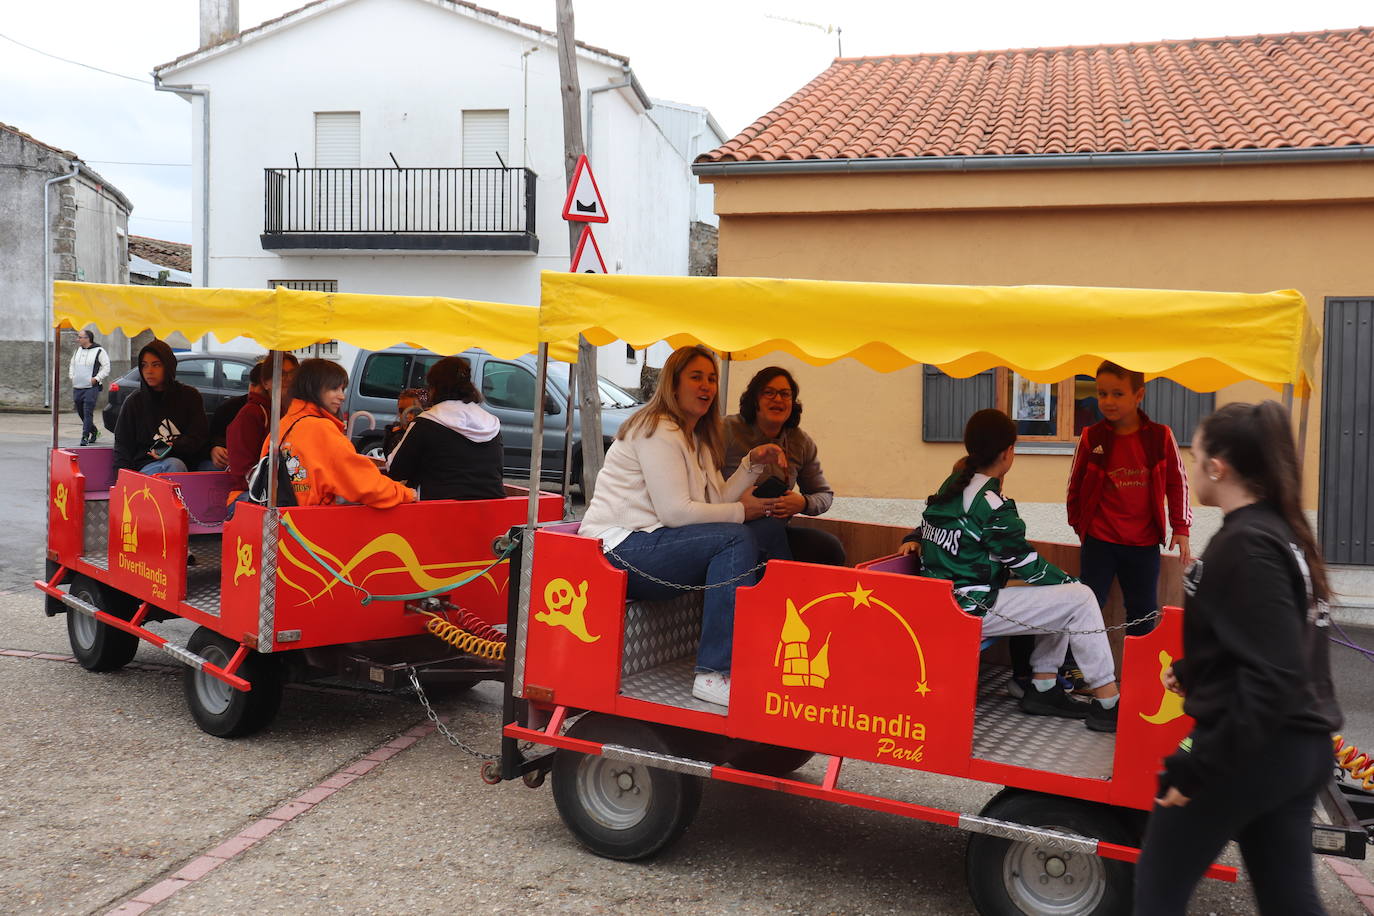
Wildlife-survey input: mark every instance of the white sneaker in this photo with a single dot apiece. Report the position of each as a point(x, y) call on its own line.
point(712, 687)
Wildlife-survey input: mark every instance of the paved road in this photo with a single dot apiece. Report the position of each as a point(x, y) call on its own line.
point(349, 804)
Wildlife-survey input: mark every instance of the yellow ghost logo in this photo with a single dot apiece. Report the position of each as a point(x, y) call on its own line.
point(59, 499)
point(560, 594)
point(1171, 704)
point(243, 554)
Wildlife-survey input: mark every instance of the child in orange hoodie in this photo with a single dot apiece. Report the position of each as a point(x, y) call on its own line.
point(324, 467)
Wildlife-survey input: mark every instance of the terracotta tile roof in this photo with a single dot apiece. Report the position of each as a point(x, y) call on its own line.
point(464, 4)
point(1261, 92)
point(176, 255)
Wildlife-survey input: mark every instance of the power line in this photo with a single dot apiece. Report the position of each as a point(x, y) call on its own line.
point(76, 63)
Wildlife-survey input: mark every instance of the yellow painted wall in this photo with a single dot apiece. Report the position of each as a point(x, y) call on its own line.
point(1278, 227)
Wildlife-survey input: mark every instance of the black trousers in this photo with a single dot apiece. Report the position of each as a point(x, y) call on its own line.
point(1266, 806)
point(84, 399)
point(1137, 568)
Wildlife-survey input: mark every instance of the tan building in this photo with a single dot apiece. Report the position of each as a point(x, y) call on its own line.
point(1230, 164)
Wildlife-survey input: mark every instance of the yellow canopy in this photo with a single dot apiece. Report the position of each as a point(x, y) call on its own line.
point(286, 319)
point(1203, 340)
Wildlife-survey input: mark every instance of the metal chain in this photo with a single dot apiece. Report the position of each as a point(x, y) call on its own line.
point(439, 725)
point(686, 588)
point(989, 612)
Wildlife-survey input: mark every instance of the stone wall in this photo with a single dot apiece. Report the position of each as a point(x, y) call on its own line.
point(702, 242)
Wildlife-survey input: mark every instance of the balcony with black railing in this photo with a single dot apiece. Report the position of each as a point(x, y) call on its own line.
point(399, 209)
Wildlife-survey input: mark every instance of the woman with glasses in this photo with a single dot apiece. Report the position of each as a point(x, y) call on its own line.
point(770, 414)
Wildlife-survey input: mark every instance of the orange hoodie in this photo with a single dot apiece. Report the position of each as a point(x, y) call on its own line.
point(324, 466)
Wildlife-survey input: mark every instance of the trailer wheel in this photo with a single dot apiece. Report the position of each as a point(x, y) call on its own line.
point(98, 646)
point(1011, 877)
point(621, 809)
point(220, 709)
point(768, 759)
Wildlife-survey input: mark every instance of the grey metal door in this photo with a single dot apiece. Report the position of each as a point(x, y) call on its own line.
point(1347, 497)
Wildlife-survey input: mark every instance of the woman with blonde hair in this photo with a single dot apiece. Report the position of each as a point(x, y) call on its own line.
point(662, 509)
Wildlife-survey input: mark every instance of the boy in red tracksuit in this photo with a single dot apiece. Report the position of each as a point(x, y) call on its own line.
point(1125, 469)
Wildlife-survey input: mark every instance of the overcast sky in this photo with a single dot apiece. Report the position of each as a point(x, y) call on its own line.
point(727, 55)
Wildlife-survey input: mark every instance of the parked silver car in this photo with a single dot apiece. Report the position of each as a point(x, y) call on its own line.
point(508, 388)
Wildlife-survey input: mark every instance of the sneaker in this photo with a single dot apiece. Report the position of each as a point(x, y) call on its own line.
point(1071, 679)
point(95, 434)
point(1053, 702)
point(712, 687)
point(1101, 719)
point(84, 440)
point(1017, 686)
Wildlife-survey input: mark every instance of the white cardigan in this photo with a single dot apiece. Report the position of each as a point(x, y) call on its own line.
point(658, 481)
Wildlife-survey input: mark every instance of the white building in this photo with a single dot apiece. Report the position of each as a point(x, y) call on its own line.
point(415, 147)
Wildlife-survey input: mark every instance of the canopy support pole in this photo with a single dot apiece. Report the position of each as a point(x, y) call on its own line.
point(723, 402)
point(568, 443)
point(274, 433)
point(1303, 416)
point(1288, 398)
point(541, 380)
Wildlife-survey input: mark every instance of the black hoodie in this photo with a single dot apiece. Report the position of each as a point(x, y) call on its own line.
point(148, 417)
point(1255, 649)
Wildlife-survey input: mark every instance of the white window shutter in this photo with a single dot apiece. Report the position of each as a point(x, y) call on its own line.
point(338, 140)
point(485, 135)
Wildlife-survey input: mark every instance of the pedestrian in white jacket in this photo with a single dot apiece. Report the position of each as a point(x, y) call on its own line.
point(663, 511)
point(89, 369)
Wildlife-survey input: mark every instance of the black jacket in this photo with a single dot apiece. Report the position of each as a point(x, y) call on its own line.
point(445, 464)
point(142, 414)
point(1255, 649)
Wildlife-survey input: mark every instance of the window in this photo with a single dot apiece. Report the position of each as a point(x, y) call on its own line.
point(486, 139)
point(235, 375)
point(419, 370)
point(198, 373)
point(1051, 411)
point(384, 375)
point(338, 139)
point(508, 385)
point(949, 402)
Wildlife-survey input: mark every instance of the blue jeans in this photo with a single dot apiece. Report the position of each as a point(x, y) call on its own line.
point(84, 399)
point(1137, 568)
point(164, 466)
point(706, 554)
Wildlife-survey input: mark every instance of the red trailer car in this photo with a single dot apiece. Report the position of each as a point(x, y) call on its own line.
point(872, 663)
point(278, 593)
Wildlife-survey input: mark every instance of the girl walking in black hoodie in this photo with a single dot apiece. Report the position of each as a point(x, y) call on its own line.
point(1255, 677)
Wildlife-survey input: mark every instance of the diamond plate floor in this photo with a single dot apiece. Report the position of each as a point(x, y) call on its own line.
point(1002, 733)
point(670, 685)
point(202, 577)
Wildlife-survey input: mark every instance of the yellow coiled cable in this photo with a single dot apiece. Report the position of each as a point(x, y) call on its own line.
point(1355, 762)
point(464, 641)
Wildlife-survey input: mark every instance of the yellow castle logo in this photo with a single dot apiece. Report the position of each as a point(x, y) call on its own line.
point(802, 669)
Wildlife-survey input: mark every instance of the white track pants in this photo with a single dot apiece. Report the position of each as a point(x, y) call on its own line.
point(1055, 607)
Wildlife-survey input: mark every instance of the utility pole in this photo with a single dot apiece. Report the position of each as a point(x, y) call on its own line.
point(588, 391)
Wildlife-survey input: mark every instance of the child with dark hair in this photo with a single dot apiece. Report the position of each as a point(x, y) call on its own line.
point(971, 535)
point(1255, 676)
point(410, 403)
point(1124, 471)
point(452, 450)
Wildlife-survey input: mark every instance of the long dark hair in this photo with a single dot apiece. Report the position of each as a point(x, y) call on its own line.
point(987, 434)
point(749, 399)
point(315, 376)
point(1257, 441)
point(451, 380)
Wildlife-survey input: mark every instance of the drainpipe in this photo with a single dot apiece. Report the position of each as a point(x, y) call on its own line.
point(50, 357)
point(204, 180)
point(629, 82)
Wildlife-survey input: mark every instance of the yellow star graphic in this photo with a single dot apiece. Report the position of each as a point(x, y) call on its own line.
point(860, 595)
point(922, 688)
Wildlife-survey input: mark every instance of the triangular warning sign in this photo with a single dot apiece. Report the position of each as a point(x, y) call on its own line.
point(584, 203)
point(587, 258)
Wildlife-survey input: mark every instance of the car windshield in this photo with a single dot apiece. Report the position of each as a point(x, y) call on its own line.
point(612, 395)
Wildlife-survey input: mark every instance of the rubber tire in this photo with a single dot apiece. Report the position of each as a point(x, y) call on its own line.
point(768, 759)
point(988, 857)
point(672, 803)
point(372, 448)
point(98, 646)
point(233, 714)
